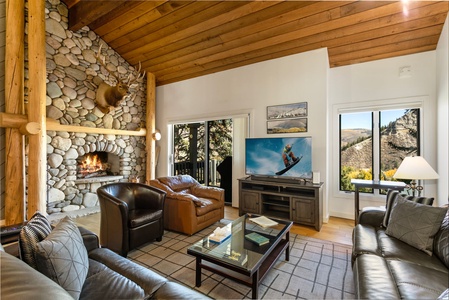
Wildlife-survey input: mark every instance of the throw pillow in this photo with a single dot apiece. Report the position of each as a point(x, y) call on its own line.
point(37, 229)
point(63, 257)
point(415, 224)
point(391, 197)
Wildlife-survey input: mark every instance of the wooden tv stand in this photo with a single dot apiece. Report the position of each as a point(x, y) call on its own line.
point(292, 200)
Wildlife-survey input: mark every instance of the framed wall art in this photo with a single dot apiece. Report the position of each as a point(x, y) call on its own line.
point(296, 125)
point(286, 111)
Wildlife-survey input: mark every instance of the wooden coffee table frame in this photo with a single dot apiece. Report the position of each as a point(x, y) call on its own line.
point(249, 278)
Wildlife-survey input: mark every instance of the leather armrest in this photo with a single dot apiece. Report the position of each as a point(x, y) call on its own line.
point(90, 239)
point(208, 192)
point(372, 216)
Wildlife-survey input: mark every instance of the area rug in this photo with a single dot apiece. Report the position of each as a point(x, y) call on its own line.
point(317, 269)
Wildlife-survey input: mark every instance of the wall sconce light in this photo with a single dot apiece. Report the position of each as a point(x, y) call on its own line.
point(415, 168)
point(157, 135)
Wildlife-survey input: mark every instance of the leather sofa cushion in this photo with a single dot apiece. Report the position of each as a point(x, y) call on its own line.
point(139, 217)
point(179, 182)
point(104, 283)
point(211, 205)
point(148, 280)
point(418, 282)
point(364, 239)
point(31, 282)
point(395, 249)
point(374, 280)
point(441, 241)
point(370, 240)
point(173, 290)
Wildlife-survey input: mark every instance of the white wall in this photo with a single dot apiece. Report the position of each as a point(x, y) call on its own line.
point(250, 89)
point(443, 114)
point(306, 77)
point(378, 83)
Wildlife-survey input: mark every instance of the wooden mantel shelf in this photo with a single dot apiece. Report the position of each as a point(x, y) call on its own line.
point(18, 121)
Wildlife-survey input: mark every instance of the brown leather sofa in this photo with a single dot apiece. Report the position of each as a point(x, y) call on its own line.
point(387, 268)
point(110, 276)
point(189, 206)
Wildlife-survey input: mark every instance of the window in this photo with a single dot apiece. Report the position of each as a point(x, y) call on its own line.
point(200, 147)
point(376, 140)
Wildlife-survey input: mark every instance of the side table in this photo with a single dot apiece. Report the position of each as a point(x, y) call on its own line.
point(373, 184)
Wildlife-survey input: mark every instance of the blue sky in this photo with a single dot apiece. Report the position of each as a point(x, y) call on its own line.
point(363, 119)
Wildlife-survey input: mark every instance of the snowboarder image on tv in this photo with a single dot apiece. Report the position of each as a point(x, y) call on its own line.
point(290, 160)
point(288, 155)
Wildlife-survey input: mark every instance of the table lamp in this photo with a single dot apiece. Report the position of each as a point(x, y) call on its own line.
point(415, 168)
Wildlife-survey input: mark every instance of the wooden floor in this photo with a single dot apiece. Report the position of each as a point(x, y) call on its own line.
point(337, 230)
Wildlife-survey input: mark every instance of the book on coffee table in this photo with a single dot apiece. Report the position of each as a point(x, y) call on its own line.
point(264, 222)
point(257, 238)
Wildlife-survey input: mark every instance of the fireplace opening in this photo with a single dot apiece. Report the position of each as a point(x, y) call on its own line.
point(96, 164)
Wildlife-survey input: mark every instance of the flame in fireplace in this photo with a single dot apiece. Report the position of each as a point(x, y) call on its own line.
point(91, 165)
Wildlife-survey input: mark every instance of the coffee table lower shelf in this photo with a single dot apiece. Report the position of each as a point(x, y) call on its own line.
point(251, 279)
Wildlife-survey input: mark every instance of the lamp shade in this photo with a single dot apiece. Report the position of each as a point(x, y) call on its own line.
point(415, 167)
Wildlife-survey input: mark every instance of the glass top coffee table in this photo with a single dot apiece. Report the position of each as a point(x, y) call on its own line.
point(239, 258)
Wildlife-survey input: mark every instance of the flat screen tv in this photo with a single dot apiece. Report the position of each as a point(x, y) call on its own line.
point(289, 157)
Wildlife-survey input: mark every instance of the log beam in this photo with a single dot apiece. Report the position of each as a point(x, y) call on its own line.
point(14, 103)
point(30, 128)
point(37, 156)
point(151, 128)
point(17, 121)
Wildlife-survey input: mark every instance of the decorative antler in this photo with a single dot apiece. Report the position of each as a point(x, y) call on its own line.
point(103, 63)
point(108, 97)
point(136, 78)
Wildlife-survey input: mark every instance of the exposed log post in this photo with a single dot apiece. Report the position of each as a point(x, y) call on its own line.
point(14, 83)
point(37, 156)
point(151, 127)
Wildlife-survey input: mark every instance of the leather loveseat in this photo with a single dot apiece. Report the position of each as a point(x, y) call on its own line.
point(386, 267)
point(189, 206)
point(110, 276)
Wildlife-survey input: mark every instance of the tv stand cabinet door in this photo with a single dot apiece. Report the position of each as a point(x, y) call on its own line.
point(303, 210)
point(249, 202)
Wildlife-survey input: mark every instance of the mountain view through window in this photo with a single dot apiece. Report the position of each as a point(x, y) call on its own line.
point(395, 136)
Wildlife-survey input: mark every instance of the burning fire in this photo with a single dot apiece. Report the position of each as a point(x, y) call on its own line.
point(91, 164)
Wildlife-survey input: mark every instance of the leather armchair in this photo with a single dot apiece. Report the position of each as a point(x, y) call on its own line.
point(189, 206)
point(132, 214)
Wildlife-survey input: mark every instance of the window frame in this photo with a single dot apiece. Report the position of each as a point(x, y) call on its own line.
point(364, 106)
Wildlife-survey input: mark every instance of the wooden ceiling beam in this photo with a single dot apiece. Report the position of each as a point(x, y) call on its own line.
point(252, 43)
point(180, 29)
point(119, 15)
point(328, 39)
point(85, 12)
point(255, 22)
point(367, 52)
point(140, 24)
point(376, 41)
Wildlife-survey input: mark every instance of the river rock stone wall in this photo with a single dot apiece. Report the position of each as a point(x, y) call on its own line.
point(73, 77)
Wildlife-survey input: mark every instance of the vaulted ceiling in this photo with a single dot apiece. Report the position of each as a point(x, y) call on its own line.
point(178, 40)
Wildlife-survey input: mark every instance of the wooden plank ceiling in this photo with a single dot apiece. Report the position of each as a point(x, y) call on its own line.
point(178, 40)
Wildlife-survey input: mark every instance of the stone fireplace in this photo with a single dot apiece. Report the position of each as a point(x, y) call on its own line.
point(123, 157)
point(73, 77)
